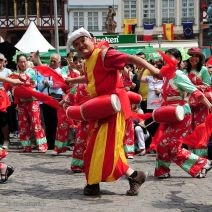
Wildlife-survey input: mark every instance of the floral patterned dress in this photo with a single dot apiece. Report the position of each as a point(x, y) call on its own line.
point(169, 145)
point(29, 121)
point(199, 111)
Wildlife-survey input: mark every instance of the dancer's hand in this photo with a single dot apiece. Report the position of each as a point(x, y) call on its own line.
point(14, 81)
point(68, 80)
point(207, 103)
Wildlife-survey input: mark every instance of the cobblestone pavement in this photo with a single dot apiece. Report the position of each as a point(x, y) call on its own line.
point(42, 182)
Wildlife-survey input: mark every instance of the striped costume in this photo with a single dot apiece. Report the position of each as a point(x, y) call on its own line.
point(104, 157)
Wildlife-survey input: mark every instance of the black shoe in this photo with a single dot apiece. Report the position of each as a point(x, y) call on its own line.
point(135, 183)
point(164, 176)
point(91, 190)
point(204, 171)
point(8, 173)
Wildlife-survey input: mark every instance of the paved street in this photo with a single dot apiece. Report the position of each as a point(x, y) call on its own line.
point(42, 182)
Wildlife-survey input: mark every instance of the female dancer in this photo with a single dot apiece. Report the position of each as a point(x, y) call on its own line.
point(29, 111)
point(169, 142)
point(200, 77)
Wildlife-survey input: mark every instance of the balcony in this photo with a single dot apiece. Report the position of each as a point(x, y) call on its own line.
point(149, 21)
point(23, 22)
point(93, 28)
point(192, 19)
point(168, 20)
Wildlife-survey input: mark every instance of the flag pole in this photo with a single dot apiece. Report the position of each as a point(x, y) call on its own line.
point(56, 27)
point(149, 11)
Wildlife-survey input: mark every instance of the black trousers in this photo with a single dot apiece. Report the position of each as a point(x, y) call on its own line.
point(12, 118)
point(50, 121)
point(143, 105)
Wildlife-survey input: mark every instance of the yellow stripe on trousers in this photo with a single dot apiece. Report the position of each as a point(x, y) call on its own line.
point(119, 138)
point(97, 160)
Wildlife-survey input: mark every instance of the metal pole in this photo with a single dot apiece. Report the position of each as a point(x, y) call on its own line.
point(56, 27)
point(160, 37)
point(159, 44)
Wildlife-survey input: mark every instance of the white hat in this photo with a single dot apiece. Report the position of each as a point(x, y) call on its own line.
point(2, 57)
point(77, 34)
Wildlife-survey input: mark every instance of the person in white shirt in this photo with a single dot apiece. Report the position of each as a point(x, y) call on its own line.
point(141, 133)
point(153, 99)
point(46, 85)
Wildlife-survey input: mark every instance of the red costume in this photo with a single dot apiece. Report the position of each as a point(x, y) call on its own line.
point(77, 162)
point(29, 121)
point(63, 124)
point(104, 156)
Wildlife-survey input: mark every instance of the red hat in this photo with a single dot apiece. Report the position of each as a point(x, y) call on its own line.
point(196, 50)
point(209, 62)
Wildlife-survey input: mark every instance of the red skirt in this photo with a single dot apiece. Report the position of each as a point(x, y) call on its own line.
point(4, 101)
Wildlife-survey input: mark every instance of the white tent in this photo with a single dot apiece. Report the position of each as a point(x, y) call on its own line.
point(1, 39)
point(33, 40)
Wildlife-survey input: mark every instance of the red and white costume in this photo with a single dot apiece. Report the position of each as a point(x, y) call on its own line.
point(29, 121)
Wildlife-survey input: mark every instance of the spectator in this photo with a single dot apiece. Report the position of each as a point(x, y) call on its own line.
point(141, 133)
point(155, 84)
point(143, 90)
point(70, 56)
point(47, 86)
point(209, 67)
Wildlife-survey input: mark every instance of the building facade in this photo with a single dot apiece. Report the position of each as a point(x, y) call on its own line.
point(92, 14)
point(205, 33)
point(15, 16)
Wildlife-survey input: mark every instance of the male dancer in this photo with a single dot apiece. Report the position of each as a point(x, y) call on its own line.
point(104, 157)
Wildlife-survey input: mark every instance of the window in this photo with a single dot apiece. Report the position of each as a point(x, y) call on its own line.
point(32, 10)
point(20, 7)
point(10, 8)
point(78, 20)
point(93, 21)
point(104, 15)
point(59, 7)
point(3, 8)
point(187, 10)
point(6, 8)
point(129, 9)
point(149, 11)
point(168, 11)
point(45, 8)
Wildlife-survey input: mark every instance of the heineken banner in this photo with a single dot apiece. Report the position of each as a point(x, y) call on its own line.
point(117, 39)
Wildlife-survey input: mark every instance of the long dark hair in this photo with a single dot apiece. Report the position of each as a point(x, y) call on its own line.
point(198, 67)
point(176, 54)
